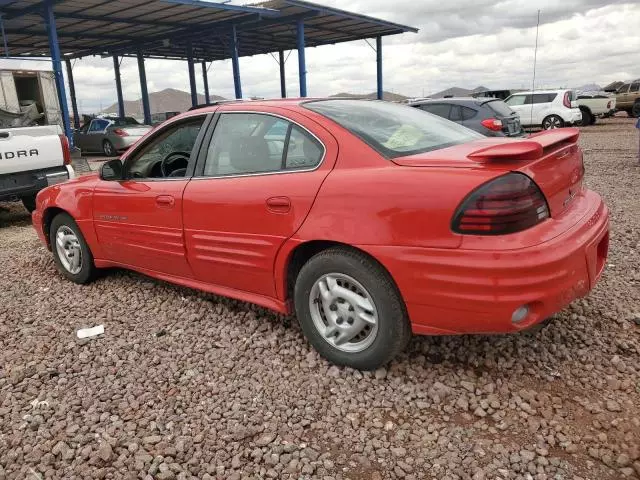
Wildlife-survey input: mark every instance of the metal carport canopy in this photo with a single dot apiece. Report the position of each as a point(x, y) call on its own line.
point(191, 30)
point(164, 28)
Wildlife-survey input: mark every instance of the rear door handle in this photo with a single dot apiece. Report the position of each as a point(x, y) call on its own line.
point(165, 201)
point(279, 204)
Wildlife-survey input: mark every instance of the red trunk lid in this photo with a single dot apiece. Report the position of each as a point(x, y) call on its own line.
point(551, 159)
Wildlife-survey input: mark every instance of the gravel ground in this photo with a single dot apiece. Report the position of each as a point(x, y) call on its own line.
point(187, 385)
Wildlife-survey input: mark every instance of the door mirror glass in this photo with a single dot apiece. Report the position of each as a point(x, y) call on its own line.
point(111, 170)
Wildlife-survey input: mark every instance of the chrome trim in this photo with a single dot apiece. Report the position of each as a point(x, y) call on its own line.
point(277, 172)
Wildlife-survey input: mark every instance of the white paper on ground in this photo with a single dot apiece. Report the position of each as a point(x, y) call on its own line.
point(91, 332)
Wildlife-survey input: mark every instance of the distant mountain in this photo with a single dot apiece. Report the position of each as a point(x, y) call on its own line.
point(453, 92)
point(388, 96)
point(167, 100)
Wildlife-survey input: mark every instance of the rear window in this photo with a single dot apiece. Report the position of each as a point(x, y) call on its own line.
point(391, 129)
point(500, 108)
point(125, 121)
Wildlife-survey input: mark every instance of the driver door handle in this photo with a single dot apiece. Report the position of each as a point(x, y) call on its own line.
point(165, 201)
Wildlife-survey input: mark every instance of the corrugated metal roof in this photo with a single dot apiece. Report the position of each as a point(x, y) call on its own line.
point(164, 28)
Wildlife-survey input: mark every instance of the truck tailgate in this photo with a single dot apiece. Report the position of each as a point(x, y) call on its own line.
point(30, 148)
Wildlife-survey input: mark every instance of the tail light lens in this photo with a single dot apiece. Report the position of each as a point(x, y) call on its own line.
point(507, 204)
point(120, 132)
point(66, 150)
point(492, 124)
point(566, 101)
point(609, 105)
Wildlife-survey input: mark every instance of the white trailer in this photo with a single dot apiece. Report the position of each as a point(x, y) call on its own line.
point(28, 98)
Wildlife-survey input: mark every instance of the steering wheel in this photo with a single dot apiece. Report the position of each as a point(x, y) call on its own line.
point(169, 159)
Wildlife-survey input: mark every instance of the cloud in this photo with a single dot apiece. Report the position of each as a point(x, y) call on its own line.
point(462, 44)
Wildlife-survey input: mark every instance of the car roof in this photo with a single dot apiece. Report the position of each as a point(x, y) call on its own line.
point(562, 90)
point(458, 100)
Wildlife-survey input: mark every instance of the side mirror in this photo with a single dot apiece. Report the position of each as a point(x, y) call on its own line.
point(111, 170)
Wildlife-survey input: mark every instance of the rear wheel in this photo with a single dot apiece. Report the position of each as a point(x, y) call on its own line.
point(71, 253)
point(587, 118)
point(108, 149)
point(552, 122)
point(350, 310)
point(29, 203)
point(635, 110)
point(593, 120)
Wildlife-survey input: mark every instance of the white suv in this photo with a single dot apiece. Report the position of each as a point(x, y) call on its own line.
point(546, 108)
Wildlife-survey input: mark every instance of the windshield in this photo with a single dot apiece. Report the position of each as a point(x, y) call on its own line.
point(391, 129)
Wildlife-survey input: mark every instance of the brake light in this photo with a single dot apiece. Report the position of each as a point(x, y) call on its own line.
point(66, 150)
point(566, 101)
point(609, 105)
point(507, 204)
point(492, 124)
point(120, 132)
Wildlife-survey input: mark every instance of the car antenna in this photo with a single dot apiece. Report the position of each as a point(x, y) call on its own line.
point(535, 60)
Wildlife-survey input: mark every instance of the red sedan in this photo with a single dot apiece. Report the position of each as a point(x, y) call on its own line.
point(369, 220)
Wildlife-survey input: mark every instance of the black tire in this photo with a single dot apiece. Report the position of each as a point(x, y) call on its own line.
point(551, 122)
point(108, 149)
point(635, 110)
point(87, 267)
point(593, 120)
point(587, 118)
point(393, 330)
point(29, 203)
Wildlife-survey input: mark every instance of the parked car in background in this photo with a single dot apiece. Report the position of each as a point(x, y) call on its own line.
point(32, 158)
point(109, 135)
point(628, 98)
point(548, 109)
point(160, 117)
point(501, 94)
point(595, 104)
point(490, 117)
point(378, 221)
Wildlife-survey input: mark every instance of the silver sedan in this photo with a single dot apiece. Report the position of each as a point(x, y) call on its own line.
point(109, 135)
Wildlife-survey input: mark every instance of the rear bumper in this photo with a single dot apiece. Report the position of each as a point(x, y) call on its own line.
point(123, 143)
point(29, 183)
point(459, 291)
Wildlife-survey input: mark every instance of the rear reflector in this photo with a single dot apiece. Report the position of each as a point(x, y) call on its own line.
point(66, 150)
point(492, 124)
point(507, 204)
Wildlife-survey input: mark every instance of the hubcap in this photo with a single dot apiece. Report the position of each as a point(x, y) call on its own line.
point(107, 149)
point(553, 123)
point(68, 248)
point(343, 312)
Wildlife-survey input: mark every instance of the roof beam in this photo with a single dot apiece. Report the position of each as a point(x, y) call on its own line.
point(267, 12)
point(11, 13)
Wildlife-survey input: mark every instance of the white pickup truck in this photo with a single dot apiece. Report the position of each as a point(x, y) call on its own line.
point(32, 158)
point(595, 104)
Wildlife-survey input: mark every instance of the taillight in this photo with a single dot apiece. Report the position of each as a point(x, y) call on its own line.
point(566, 101)
point(120, 132)
point(66, 150)
point(492, 124)
point(609, 105)
point(507, 204)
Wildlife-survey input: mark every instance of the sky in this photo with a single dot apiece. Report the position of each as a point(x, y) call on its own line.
point(463, 43)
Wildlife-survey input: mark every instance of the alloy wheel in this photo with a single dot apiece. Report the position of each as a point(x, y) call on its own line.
point(69, 249)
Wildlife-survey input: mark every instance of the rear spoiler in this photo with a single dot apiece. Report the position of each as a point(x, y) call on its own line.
point(531, 148)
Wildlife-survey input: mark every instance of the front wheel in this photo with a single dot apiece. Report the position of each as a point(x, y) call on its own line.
point(108, 149)
point(635, 110)
point(29, 203)
point(350, 310)
point(552, 122)
point(587, 117)
point(71, 253)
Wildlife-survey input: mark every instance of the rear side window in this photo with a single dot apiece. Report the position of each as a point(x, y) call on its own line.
point(440, 109)
point(253, 143)
point(468, 113)
point(635, 87)
point(499, 108)
point(544, 97)
point(623, 89)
